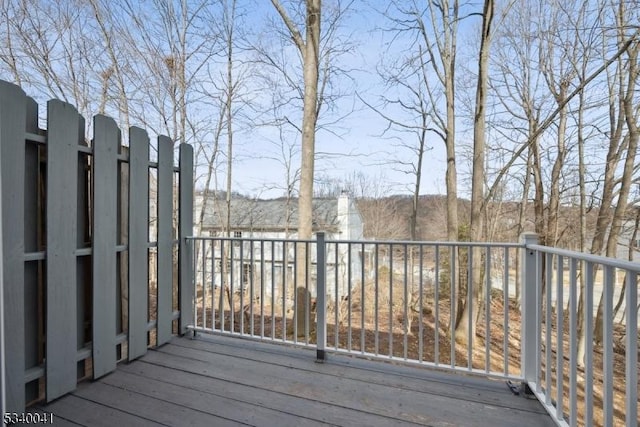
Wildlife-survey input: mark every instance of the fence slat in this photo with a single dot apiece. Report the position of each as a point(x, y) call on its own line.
point(138, 241)
point(165, 240)
point(106, 139)
point(12, 155)
point(62, 185)
point(186, 229)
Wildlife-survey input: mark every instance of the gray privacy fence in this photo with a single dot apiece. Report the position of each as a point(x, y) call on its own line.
point(77, 251)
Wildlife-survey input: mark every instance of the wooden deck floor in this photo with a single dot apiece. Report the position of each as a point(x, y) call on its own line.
point(219, 381)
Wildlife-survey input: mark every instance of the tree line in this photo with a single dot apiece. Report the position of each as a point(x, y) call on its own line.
point(534, 103)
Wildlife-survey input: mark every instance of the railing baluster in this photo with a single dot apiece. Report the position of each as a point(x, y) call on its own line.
point(285, 273)
point(560, 338)
point(295, 292)
point(349, 297)
point(251, 288)
point(376, 305)
point(505, 307)
point(273, 290)
point(242, 287)
point(391, 300)
point(213, 283)
point(204, 284)
point(338, 297)
point(262, 285)
point(436, 290)
point(192, 248)
point(420, 302)
point(487, 311)
point(307, 302)
point(538, 305)
point(547, 327)
point(607, 345)
point(470, 319)
point(405, 306)
point(573, 343)
point(362, 301)
point(223, 283)
point(452, 301)
point(232, 245)
point(588, 354)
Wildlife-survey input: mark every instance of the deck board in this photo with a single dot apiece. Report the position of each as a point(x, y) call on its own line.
point(419, 380)
point(228, 381)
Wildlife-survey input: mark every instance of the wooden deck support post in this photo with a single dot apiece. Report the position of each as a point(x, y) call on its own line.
point(321, 297)
point(529, 309)
point(185, 268)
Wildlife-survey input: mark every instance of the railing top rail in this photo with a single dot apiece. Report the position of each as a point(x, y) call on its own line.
point(582, 256)
point(250, 239)
point(431, 243)
point(366, 242)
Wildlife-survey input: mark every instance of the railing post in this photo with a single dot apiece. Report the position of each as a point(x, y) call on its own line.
point(321, 296)
point(187, 292)
point(529, 310)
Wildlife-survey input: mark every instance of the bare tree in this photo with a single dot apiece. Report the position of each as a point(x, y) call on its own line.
point(468, 314)
point(431, 30)
point(408, 80)
point(173, 45)
point(309, 48)
point(49, 48)
point(109, 28)
point(629, 115)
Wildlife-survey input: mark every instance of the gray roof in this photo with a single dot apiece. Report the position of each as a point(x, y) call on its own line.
point(267, 215)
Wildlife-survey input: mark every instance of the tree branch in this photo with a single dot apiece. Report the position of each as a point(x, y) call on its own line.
point(295, 33)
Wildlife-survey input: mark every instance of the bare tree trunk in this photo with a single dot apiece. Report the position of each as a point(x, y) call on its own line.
point(633, 247)
point(310, 50)
point(633, 134)
point(463, 334)
point(554, 193)
point(522, 215)
point(100, 10)
point(229, 85)
point(583, 232)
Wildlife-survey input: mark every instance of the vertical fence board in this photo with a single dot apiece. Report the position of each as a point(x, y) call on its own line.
point(106, 137)
point(62, 176)
point(186, 229)
point(138, 241)
point(3, 379)
point(12, 155)
point(165, 239)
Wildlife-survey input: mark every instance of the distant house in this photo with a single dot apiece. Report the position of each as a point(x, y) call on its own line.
point(629, 240)
point(265, 263)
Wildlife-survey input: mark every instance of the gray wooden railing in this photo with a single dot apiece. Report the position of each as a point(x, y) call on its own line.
point(75, 285)
point(362, 291)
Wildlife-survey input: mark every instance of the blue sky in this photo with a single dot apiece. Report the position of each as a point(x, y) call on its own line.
point(356, 142)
